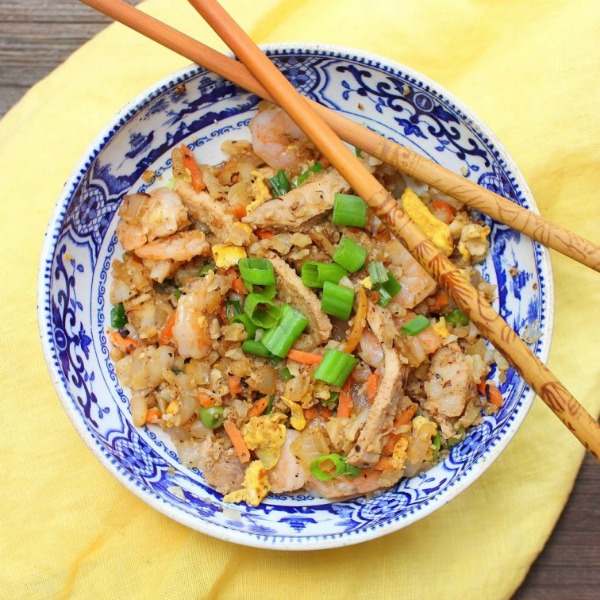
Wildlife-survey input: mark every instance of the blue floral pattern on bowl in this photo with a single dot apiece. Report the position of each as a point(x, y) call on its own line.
point(200, 109)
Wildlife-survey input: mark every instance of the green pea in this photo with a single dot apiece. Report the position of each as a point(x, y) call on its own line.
point(212, 417)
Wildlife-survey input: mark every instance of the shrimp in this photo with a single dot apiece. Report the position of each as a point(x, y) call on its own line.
point(202, 298)
point(416, 283)
point(180, 246)
point(287, 475)
point(145, 217)
point(278, 140)
point(367, 481)
point(450, 383)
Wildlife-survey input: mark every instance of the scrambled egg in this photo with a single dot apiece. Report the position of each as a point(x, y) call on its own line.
point(437, 231)
point(259, 191)
point(474, 244)
point(297, 418)
point(255, 486)
point(440, 328)
point(227, 256)
point(399, 453)
point(265, 435)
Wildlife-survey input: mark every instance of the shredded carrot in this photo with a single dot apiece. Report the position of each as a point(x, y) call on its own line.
point(234, 384)
point(238, 211)
point(190, 163)
point(237, 440)
point(345, 405)
point(491, 392)
point(152, 415)
point(310, 414)
point(372, 385)
point(264, 235)
point(325, 413)
point(439, 301)
point(358, 324)
point(307, 358)
point(448, 210)
point(167, 331)
point(388, 447)
point(238, 286)
point(223, 313)
point(259, 407)
point(205, 400)
point(385, 463)
point(404, 417)
point(124, 344)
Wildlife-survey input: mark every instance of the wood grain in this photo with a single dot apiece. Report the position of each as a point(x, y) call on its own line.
point(37, 35)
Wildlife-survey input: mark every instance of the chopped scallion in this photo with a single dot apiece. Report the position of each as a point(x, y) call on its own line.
point(232, 308)
point(349, 210)
point(285, 374)
point(304, 176)
point(391, 285)
point(249, 326)
point(281, 338)
point(256, 271)
point(416, 325)
point(262, 311)
point(118, 318)
point(255, 348)
point(337, 300)
point(457, 317)
point(335, 367)
point(350, 255)
point(377, 273)
point(280, 183)
point(384, 297)
point(328, 467)
point(206, 268)
point(315, 274)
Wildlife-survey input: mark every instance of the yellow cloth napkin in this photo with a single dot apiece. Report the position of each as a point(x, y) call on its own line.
point(69, 530)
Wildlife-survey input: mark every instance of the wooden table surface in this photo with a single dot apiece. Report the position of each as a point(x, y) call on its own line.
point(37, 35)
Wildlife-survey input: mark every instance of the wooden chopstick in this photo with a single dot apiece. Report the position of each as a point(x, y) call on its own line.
point(489, 323)
point(405, 160)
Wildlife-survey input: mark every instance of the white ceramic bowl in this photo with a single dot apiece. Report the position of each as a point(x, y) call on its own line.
point(80, 243)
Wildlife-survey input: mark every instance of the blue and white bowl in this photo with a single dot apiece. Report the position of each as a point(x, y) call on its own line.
point(80, 243)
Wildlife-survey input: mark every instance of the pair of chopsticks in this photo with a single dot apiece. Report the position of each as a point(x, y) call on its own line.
point(323, 127)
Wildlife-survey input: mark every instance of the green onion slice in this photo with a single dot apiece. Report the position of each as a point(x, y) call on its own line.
point(232, 308)
point(304, 176)
point(377, 273)
point(285, 374)
point(335, 367)
point(457, 317)
point(329, 466)
point(337, 300)
point(256, 271)
point(391, 285)
point(212, 417)
point(118, 318)
point(384, 297)
point(255, 348)
point(349, 210)
point(262, 311)
point(249, 326)
point(280, 183)
point(416, 325)
point(281, 338)
point(206, 268)
point(349, 255)
point(334, 464)
point(315, 274)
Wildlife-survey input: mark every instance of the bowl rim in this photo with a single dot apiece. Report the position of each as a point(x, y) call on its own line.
point(241, 537)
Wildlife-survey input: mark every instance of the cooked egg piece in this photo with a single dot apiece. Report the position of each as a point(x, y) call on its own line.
point(437, 231)
point(227, 256)
point(255, 486)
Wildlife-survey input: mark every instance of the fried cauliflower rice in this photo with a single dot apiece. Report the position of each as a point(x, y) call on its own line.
point(271, 324)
